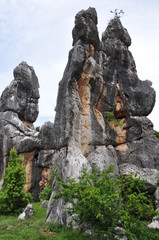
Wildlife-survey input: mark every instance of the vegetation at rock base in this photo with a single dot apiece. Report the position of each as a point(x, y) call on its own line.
point(46, 192)
point(12, 195)
point(36, 228)
point(104, 200)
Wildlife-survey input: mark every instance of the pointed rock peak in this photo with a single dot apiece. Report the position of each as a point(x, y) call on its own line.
point(22, 95)
point(115, 30)
point(25, 72)
point(86, 27)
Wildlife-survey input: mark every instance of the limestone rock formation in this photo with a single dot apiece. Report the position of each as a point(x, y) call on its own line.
point(18, 112)
point(101, 77)
point(100, 80)
point(22, 95)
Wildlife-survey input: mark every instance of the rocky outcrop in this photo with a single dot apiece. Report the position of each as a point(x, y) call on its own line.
point(101, 114)
point(149, 175)
point(18, 112)
point(27, 212)
point(22, 95)
point(101, 77)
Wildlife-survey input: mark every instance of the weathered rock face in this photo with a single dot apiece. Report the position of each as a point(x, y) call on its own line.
point(22, 95)
point(18, 111)
point(101, 77)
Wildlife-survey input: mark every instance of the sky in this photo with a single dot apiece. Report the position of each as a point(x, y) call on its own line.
point(40, 33)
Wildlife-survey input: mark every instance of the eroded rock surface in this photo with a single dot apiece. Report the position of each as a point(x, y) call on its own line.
point(18, 112)
point(101, 76)
point(22, 95)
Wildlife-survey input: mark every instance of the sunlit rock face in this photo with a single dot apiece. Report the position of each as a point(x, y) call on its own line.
point(100, 77)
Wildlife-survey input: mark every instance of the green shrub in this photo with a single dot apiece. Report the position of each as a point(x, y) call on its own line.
point(46, 192)
point(156, 134)
point(111, 118)
point(12, 195)
point(105, 200)
point(137, 202)
point(109, 115)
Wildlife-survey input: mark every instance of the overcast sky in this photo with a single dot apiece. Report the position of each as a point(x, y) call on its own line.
point(40, 33)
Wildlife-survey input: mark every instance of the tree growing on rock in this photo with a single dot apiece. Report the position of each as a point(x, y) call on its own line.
point(117, 13)
point(12, 195)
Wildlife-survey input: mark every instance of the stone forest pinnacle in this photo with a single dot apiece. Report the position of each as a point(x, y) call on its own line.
point(100, 77)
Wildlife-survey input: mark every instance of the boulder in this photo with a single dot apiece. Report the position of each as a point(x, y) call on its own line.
point(27, 212)
point(44, 204)
point(103, 157)
point(155, 222)
point(146, 174)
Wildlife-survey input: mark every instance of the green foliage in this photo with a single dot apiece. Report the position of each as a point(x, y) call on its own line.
point(36, 228)
point(105, 200)
point(156, 134)
point(46, 192)
point(12, 195)
point(37, 129)
point(138, 230)
point(110, 116)
point(135, 197)
point(117, 13)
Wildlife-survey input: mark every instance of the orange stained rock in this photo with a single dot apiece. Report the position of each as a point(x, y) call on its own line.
point(119, 107)
point(122, 147)
point(84, 90)
point(120, 131)
point(44, 180)
point(28, 168)
point(91, 50)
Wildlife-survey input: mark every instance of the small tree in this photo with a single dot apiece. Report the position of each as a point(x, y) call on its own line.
point(12, 195)
point(117, 13)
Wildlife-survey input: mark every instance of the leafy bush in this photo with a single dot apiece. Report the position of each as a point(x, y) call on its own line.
point(156, 134)
point(137, 202)
point(105, 200)
point(46, 192)
point(12, 195)
point(111, 118)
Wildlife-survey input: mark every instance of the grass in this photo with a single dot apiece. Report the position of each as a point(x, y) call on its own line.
point(35, 228)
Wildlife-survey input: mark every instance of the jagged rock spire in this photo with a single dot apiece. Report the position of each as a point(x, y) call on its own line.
point(22, 95)
point(101, 77)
